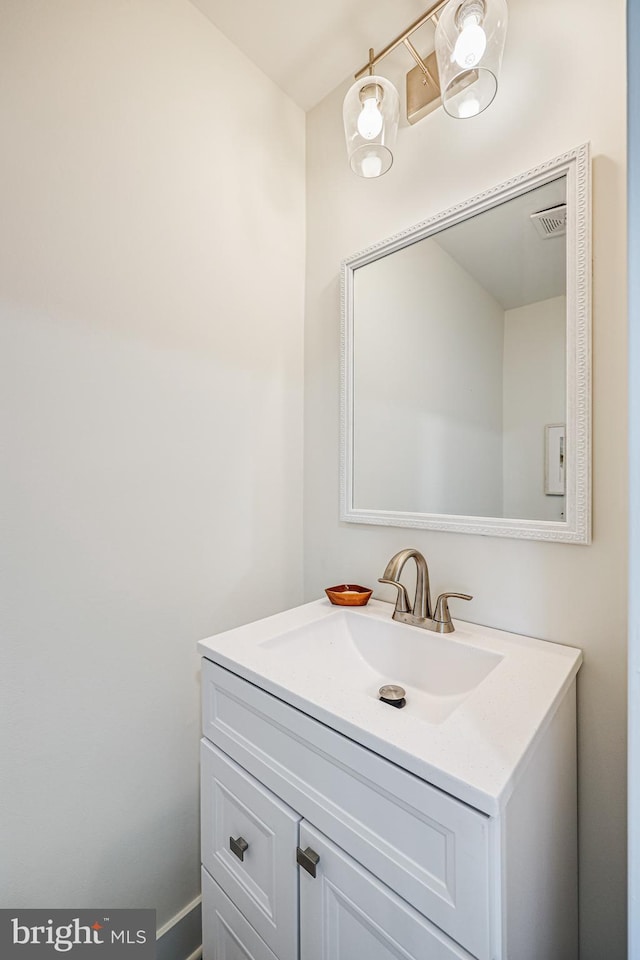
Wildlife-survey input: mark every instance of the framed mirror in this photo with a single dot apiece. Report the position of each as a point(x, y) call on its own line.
point(466, 365)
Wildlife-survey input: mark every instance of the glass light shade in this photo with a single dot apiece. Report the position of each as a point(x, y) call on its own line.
point(469, 43)
point(371, 112)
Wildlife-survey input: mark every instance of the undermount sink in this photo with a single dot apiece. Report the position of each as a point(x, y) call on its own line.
point(362, 653)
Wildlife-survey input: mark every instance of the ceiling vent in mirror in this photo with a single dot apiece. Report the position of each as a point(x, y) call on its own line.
point(552, 222)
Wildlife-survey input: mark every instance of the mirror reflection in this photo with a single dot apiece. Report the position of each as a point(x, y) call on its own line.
point(459, 367)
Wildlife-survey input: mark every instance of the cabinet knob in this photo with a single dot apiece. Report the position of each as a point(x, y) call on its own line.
point(308, 859)
point(238, 847)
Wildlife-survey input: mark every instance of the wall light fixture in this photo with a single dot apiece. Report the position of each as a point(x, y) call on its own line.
point(371, 112)
point(461, 74)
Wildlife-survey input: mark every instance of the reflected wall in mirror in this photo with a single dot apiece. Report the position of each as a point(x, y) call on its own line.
point(466, 365)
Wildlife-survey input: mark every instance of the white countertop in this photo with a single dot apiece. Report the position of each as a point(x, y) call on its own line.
point(480, 741)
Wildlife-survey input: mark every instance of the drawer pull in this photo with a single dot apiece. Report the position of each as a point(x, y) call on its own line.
point(308, 859)
point(238, 847)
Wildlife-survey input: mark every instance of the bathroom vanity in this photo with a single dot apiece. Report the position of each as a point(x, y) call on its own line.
point(337, 827)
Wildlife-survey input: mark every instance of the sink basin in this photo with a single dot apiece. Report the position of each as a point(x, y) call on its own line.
point(477, 699)
point(360, 654)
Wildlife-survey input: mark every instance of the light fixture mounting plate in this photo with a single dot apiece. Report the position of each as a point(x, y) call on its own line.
point(423, 92)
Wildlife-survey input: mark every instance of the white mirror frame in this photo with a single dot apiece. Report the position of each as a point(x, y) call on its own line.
point(576, 528)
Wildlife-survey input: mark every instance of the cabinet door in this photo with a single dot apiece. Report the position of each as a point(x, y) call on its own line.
point(226, 935)
point(347, 914)
point(249, 842)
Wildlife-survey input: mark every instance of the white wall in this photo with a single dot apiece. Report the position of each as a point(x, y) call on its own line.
point(551, 98)
point(151, 299)
point(534, 395)
point(428, 383)
point(633, 8)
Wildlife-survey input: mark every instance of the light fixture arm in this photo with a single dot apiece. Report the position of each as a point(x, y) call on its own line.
point(418, 59)
point(429, 14)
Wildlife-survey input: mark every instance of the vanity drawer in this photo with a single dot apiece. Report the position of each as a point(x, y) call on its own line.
point(260, 878)
point(428, 847)
point(226, 935)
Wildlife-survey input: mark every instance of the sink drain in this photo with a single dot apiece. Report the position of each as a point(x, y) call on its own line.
point(392, 694)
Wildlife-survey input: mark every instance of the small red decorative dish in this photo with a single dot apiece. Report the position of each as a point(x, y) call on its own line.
point(349, 595)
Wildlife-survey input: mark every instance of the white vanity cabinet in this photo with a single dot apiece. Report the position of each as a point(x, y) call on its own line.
point(411, 862)
point(253, 844)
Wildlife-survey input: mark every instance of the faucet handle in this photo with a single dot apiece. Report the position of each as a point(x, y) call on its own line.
point(402, 601)
point(442, 614)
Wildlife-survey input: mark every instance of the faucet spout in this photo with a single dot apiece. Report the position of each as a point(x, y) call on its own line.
point(422, 601)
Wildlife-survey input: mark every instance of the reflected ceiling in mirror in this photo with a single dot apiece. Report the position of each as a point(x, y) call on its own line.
point(466, 365)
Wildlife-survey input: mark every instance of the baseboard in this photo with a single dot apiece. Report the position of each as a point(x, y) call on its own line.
point(181, 937)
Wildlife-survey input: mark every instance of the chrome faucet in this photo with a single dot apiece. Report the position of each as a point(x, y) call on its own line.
point(421, 614)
